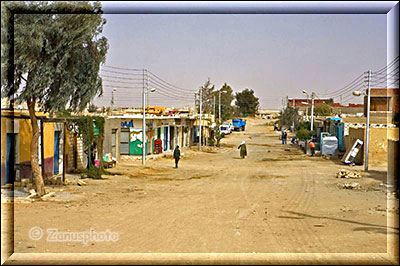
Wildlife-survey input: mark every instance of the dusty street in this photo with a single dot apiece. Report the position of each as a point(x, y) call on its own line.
point(276, 200)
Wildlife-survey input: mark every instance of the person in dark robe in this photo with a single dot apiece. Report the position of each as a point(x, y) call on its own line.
point(177, 155)
point(243, 150)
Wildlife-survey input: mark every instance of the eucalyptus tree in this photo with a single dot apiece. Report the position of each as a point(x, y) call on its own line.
point(226, 95)
point(58, 48)
point(207, 91)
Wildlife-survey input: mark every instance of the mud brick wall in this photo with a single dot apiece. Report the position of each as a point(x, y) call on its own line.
point(378, 143)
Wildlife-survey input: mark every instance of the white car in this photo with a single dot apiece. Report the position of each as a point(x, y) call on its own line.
point(224, 129)
point(229, 124)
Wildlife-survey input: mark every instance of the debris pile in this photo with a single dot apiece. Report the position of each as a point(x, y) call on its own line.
point(343, 173)
point(351, 186)
point(54, 180)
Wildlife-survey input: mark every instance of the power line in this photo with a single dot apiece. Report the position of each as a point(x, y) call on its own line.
point(172, 96)
point(386, 67)
point(120, 73)
point(161, 80)
point(126, 69)
point(349, 89)
point(359, 78)
point(121, 87)
point(123, 78)
point(160, 86)
point(386, 77)
point(122, 82)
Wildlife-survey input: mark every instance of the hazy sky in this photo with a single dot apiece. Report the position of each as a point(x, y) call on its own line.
point(275, 55)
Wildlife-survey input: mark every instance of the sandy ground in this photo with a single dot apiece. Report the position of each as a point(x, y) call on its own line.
point(276, 200)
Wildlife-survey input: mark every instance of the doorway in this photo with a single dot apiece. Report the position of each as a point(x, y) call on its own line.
point(56, 151)
point(10, 158)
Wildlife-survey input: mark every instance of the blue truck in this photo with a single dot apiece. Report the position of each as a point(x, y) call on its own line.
point(239, 124)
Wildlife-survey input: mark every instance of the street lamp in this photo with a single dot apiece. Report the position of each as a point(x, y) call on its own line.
point(312, 108)
point(145, 92)
point(359, 93)
point(306, 103)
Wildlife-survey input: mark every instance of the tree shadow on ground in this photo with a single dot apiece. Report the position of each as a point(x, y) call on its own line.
point(343, 220)
point(379, 175)
point(376, 230)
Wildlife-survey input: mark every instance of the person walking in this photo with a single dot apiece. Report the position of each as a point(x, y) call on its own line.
point(243, 150)
point(177, 155)
point(284, 136)
point(312, 147)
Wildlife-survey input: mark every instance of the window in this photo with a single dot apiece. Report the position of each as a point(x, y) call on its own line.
point(124, 145)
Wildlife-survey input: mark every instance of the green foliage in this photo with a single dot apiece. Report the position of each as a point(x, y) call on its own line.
point(289, 116)
point(227, 110)
point(207, 97)
point(306, 125)
point(92, 108)
point(211, 141)
point(57, 56)
point(218, 135)
point(84, 126)
point(322, 109)
point(247, 102)
point(303, 131)
point(303, 134)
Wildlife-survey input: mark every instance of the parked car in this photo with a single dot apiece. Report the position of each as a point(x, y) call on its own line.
point(229, 124)
point(224, 129)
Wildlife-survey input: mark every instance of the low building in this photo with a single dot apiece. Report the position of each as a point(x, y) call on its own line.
point(124, 133)
point(383, 102)
point(16, 138)
point(337, 108)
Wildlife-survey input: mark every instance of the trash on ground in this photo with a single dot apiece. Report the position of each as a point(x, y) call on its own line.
point(351, 186)
point(343, 173)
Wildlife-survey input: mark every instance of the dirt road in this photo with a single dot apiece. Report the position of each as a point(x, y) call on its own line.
point(276, 200)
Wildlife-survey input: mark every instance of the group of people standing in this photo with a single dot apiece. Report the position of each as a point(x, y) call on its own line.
point(311, 143)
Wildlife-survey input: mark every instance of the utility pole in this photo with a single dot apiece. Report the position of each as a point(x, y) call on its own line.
point(219, 107)
point(368, 119)
point(214, 107)
point(312, 110)
point(112, 100)
point(307, 108)
point(294, 106)
point(145, 88)
point(201, 103)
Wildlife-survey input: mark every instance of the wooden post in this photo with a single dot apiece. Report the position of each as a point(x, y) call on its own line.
point(64, 153)
point(42, 146)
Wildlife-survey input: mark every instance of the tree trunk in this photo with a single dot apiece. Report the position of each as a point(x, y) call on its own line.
point(39, 184)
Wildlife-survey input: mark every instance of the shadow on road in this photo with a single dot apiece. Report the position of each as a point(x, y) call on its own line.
point(379, 175)
point(374, 230)
point(342, 220)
